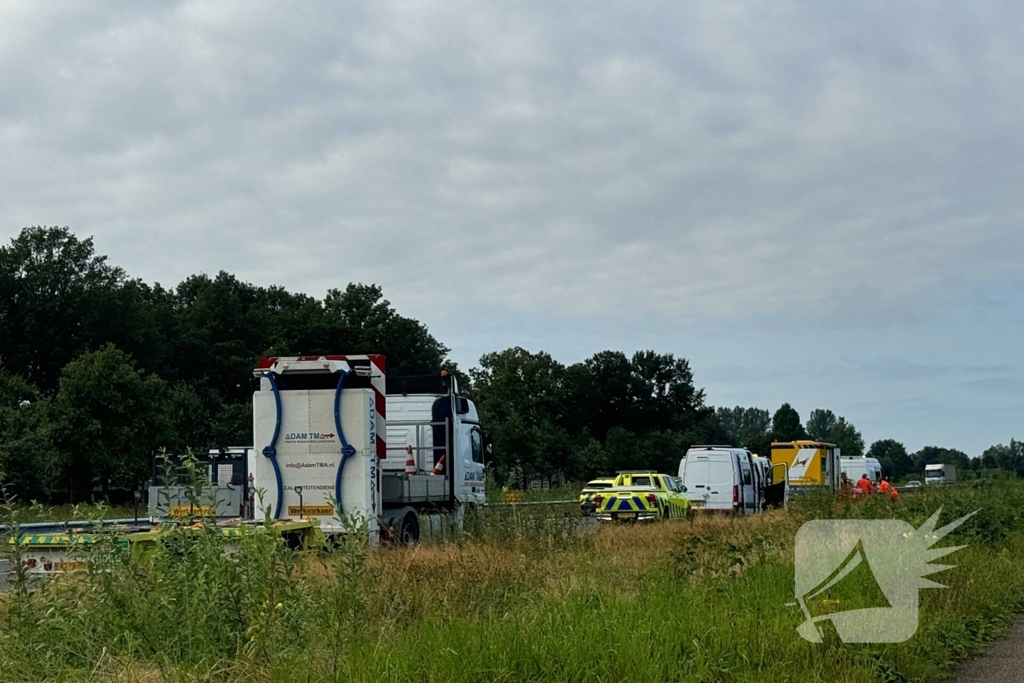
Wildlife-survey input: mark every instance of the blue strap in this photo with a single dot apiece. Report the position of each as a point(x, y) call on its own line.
point(270, 451)
point(347, 449)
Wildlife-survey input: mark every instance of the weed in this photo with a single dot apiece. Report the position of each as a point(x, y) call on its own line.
point(525, 593)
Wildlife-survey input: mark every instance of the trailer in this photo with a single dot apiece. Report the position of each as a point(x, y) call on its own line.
point(326, 460)
point(336, 437)
point(47, 549)
point(810, 464)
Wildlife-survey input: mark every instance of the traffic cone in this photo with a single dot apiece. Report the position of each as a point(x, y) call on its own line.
point(439, 467)
point(410, 461)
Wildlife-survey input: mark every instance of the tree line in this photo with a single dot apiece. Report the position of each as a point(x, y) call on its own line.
point(98, 370)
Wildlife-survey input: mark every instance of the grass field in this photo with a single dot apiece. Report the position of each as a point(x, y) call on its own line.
point(516, 598)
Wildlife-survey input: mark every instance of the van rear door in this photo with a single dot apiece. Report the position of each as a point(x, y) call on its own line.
point(720, 481)
point(694, 473)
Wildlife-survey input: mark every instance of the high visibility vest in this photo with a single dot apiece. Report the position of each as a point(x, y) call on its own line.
point(884, 486)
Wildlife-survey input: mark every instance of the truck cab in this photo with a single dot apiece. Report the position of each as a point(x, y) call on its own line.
point(436, 445)
point(939, 473)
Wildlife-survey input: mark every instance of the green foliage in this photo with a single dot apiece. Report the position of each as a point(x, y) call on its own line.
point(847, 437)
point(820, 424)
point(609, 412)
point(1010, 458)
point(893, 457)
point(744, 426)
point(786, 424)
point(525, 594)
point(60, 301)
point(108, 419)
point(824, 425)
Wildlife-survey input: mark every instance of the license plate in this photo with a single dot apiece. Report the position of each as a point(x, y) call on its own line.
point(627, 515)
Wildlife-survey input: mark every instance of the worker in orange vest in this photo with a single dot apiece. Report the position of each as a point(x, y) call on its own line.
point(884, 486)
point(864, 485)
point(894, 494)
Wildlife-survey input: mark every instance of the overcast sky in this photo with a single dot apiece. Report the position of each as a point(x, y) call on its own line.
point(814, 202)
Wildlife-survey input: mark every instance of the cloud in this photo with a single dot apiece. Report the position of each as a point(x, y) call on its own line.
point(710, 159)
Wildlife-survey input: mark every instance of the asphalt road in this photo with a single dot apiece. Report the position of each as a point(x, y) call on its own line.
point(1003, 661)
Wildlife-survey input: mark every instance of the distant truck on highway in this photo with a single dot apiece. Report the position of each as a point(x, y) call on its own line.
point(939, 473)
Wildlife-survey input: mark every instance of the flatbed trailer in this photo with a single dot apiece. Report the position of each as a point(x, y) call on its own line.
point(323, 457)
point(48, 549)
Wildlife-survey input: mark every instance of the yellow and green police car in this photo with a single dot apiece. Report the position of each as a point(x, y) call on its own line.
point(640, 496)
point(590, 490)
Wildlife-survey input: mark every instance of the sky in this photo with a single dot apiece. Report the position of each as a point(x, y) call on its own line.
point(816, 203)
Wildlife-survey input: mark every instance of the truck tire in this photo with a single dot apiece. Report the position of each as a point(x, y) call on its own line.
point(409, 530)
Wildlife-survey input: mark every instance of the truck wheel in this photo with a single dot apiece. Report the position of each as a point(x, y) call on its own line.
point(409, 531)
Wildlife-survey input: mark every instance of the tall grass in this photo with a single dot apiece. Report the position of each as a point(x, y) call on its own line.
point(522, 595)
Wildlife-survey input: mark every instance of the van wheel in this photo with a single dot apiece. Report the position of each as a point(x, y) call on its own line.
point(409, 531)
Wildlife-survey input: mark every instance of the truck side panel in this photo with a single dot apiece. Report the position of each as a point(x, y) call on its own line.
point(309, 452)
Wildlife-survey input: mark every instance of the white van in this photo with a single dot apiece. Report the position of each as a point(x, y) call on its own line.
point(773, 487)
point(720, 478)
point(855, 466)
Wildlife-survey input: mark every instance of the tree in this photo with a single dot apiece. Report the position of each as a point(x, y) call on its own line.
point(893, 457)
point(846, 436)
point(786, 424)
point(744, 426)
point(1010, 458)
point(361, 320)
point(109, 418)
point(520, 397)
point(25, 453)
point(58, 298)
point(930, 455)
point(820, 424)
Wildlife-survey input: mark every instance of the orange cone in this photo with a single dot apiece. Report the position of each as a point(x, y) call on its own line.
point(439, 467)
point(410, 461)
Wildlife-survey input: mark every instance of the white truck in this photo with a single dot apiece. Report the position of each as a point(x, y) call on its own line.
point(939, 473)
point(855, 466)
point(324, 446)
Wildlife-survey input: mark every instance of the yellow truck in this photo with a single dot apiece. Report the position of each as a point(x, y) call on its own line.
point(809, 463)
point(641, 496)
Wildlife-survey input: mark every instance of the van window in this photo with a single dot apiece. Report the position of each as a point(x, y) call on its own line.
point(746, 475)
